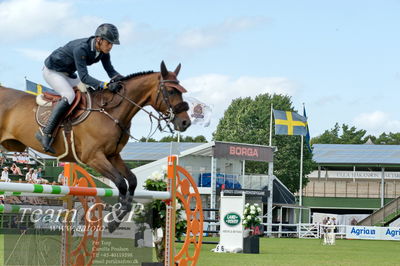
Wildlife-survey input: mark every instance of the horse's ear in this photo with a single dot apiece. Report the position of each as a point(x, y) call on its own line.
point(164, 71)
point(178, 68)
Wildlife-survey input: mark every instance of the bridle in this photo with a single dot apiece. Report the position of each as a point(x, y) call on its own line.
point(171, 110)
point(168, 118)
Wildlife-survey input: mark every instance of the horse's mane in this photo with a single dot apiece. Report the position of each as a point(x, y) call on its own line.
point(137, 75)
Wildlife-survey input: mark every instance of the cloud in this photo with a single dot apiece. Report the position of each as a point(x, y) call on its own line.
point(39, 19)
point(377, 122)
point(219, 90)
point(25, 19)
point(36, 55)
point(330, 99)
point(201, 38)
point(79, 27)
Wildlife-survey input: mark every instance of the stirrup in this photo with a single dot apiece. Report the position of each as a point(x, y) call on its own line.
point(46, 141)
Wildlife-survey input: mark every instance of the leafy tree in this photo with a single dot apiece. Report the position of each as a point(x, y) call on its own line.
point(391, 138)
point(174, 138)
point(247, 121)
point(350, 135)
point(199, 138)
point(143, 139)
point(341, 135)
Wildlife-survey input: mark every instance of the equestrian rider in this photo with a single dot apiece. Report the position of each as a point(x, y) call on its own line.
point(59, 73)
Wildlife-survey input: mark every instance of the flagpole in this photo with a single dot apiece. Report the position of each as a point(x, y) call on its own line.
point(270, 125)
point(301, 177)
point(270, 181)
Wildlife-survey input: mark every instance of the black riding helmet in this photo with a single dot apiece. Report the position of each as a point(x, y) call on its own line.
point(108, 32)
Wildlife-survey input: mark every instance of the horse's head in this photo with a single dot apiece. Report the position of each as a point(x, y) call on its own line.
point(168, 99)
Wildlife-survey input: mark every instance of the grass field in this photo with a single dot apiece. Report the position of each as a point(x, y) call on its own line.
point(284, 251)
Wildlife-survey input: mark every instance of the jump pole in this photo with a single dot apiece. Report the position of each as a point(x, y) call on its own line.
point(38, 190)
point(178, 177)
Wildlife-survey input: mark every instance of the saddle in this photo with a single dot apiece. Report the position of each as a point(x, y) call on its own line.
point(77, 112)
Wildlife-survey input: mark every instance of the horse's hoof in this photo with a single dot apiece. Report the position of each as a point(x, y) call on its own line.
point(112, 226)
point(126, 202)
point(108, 207)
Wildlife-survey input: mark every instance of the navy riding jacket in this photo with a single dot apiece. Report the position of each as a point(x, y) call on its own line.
point(76, 56)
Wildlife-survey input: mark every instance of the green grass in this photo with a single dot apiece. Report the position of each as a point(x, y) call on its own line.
point(285, 251)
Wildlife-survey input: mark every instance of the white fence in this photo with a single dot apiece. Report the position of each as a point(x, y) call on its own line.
point(303, 230)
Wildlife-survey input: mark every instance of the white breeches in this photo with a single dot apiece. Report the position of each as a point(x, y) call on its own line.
point(61, 83)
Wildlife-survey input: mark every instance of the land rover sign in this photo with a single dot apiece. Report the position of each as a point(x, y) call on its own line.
point(232, 219)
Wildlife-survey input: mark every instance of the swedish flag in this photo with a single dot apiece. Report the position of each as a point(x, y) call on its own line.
point(290, 123)
point(35, 88)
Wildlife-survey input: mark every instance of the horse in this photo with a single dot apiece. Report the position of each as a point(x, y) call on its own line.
point(99, 139)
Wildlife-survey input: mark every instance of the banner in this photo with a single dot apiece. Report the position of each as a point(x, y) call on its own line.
point(231, 228)
point(373, 232)
point(239, 151)
point(199, 112)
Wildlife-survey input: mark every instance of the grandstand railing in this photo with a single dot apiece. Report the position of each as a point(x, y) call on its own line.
point(35, 156)
point(384, 215)
point(350, 189)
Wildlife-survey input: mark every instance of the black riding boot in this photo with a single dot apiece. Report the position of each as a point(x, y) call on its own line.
point(45, 136)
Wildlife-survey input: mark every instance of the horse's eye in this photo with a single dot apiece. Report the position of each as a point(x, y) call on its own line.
point(172, 92)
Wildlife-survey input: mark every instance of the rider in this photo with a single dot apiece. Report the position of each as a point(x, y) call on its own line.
point(61, 65)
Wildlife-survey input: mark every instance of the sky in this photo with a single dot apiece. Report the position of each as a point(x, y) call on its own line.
point(340, 58)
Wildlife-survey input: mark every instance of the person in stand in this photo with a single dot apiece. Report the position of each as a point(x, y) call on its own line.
point(62, 180)
point(3, 158)
point(4, 175)
point(14, 158)
point(75, 56)
point(15, 169)
point(29, 176)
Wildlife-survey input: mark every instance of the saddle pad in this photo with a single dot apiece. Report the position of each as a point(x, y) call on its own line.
point(77, 116)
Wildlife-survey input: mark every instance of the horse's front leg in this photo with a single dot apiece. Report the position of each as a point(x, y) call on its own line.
point(101, 164)
point(126, 172)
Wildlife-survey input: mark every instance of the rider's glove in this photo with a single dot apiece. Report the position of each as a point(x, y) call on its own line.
point(114, 87)
point(103, 85)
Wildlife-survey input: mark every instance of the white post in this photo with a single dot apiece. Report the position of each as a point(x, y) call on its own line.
point(383, 187)
point(243, 173)
point(270, 197)
point(270, 126)
point(301, 178)
point(213, 204)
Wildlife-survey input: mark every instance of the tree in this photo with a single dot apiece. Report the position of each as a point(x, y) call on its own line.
point(391, 138)
point(349, 135)
point(247, 121)
point(199, 138)
point(143, 139)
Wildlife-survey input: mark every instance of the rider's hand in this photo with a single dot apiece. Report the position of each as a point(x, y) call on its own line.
point(114, 87)
point(103, 85)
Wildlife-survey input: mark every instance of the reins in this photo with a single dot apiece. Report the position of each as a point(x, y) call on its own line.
point(172, 111)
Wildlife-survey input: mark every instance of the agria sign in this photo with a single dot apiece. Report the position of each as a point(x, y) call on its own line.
point(232, 219)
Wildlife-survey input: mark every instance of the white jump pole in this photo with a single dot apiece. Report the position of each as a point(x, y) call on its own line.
point(44, 190)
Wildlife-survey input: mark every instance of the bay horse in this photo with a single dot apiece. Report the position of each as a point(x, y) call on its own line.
point(100, 138)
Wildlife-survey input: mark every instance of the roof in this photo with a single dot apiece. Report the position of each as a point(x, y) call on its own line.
point(281, 194)
point(356, 154)
point(151, 151)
